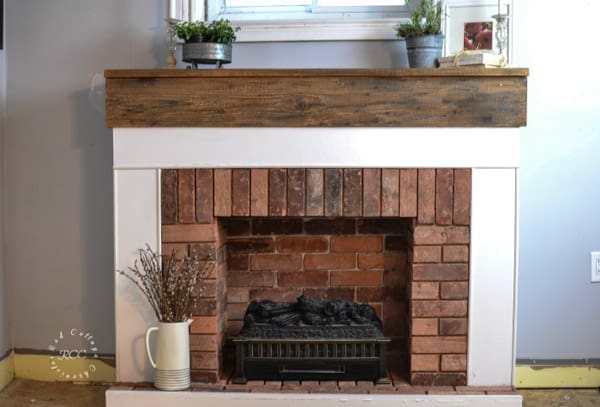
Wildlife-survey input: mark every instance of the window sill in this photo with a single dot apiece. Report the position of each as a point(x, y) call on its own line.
point(329, 30)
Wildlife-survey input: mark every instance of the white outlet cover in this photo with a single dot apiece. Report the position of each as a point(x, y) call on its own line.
point(595, 267)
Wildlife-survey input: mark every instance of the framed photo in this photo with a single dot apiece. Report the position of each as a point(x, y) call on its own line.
point(469, 26)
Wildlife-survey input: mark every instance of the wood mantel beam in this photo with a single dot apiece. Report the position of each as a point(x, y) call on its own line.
point(461, 97)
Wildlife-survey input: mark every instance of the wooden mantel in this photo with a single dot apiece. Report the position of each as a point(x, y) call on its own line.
point(460, 97)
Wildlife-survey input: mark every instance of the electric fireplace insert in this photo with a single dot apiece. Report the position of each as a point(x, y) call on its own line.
point(311, 340)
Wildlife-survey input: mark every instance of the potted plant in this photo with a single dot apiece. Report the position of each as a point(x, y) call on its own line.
point(423, 34)
point(207, 43)
point(172, 289)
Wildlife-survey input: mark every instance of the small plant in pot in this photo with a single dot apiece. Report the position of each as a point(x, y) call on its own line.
point(207, 43)
point(423, 34)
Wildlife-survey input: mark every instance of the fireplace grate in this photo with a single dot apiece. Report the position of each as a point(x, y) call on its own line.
point(311, 359)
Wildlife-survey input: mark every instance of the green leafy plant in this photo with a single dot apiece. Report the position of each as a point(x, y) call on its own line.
point(425, 19)
point(220, 31)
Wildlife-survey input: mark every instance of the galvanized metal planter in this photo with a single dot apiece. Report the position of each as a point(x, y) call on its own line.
point(207, 53)
point(423, 52)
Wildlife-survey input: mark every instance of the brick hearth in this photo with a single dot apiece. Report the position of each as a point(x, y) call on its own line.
point(398, 239)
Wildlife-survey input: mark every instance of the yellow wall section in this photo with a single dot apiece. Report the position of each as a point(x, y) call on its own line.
point(557, 376)
point(7, 370)
point(39, 367)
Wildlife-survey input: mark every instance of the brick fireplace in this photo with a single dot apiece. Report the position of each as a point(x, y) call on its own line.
point(416, 182)
point(397, 239)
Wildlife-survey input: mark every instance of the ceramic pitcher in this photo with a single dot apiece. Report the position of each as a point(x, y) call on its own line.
point(171, 361)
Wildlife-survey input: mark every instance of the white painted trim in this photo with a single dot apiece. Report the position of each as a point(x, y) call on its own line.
point(316, 147)
point(491, 280)
point(137, 221)
point(144, 398)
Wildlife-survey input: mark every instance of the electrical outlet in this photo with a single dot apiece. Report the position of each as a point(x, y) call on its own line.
point(595, 267)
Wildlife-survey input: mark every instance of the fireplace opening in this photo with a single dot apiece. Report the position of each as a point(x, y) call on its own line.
point(331, 259)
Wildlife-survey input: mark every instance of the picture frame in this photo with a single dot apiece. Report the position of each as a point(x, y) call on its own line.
point(468, 25)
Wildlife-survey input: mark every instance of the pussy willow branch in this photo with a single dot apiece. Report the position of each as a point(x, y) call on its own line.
point(171, 287)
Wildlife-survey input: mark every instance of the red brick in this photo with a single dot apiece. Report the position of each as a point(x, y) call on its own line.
point(271, 226)
point(440, 272)
point(240, 192)
point(380, 294)
point(168, 195)
point(372, 192)
point(286, 262)
point(455, 290)
point(296, 192)
point(204, 196)
point(233, 328)
point(396, 243)
point(462, 197)
point(338, 261)
point(251, 245)
point(395, 278)
point(205, 380)
point(236, 311)
point(188, 233)
point(378, 308)
point(314, 192)
point(394, 226)
point(330, 226)
point(453, 326)
point(425, 291)
point(259, 192)
point(426, 196)
point(387, 261)
point(439, 308)
point(354, 278)
point(203, 250)
point(444, 196)
point(333, 293)
point(304, 279)
point(277, 192)
point(204, 360)
point(186, 188)
point(205, 308)
point(353, 191)
point(441, 235)
point(237, 262)
point(390, 192)
point(333, 192)
point(408, 193)
point(438, 379)
point(427, 254)
point(302, 244)
point(456, 254)
point(204, 325)
point(179, 249)
point(275, 294)
point(238, 295)
point(439, 344)
point(454, 363)
point(251, 279)
point(424, 363)
point(422, 326)
point(235, 227)
point(222, 192)
point(356, 243)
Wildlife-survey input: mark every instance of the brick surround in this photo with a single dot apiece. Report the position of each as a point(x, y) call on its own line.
point(227, 211)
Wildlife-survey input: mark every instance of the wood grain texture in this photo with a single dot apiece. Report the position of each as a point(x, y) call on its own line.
point(317, 98)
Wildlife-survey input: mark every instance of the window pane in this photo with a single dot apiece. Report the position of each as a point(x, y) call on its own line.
point(266, 3)
point(361, 3)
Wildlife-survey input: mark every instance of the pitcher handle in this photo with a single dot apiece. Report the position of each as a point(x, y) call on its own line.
point(148, 332)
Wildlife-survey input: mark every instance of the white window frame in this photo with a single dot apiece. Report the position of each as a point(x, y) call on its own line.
point(322, 24)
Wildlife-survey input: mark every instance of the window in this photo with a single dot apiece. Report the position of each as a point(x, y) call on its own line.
point(303, 20)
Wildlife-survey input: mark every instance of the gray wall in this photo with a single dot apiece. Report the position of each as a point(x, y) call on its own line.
point(5, 344)
point(59, 182)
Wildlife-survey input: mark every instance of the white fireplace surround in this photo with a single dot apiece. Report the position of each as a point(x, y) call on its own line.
point(492, 153)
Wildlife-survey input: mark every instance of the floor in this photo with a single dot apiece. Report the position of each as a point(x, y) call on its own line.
point(21, 393)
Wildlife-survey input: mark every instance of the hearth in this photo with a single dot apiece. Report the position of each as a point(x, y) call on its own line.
point(311, 340)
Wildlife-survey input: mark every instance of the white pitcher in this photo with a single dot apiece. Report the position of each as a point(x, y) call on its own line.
point(172, 362)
